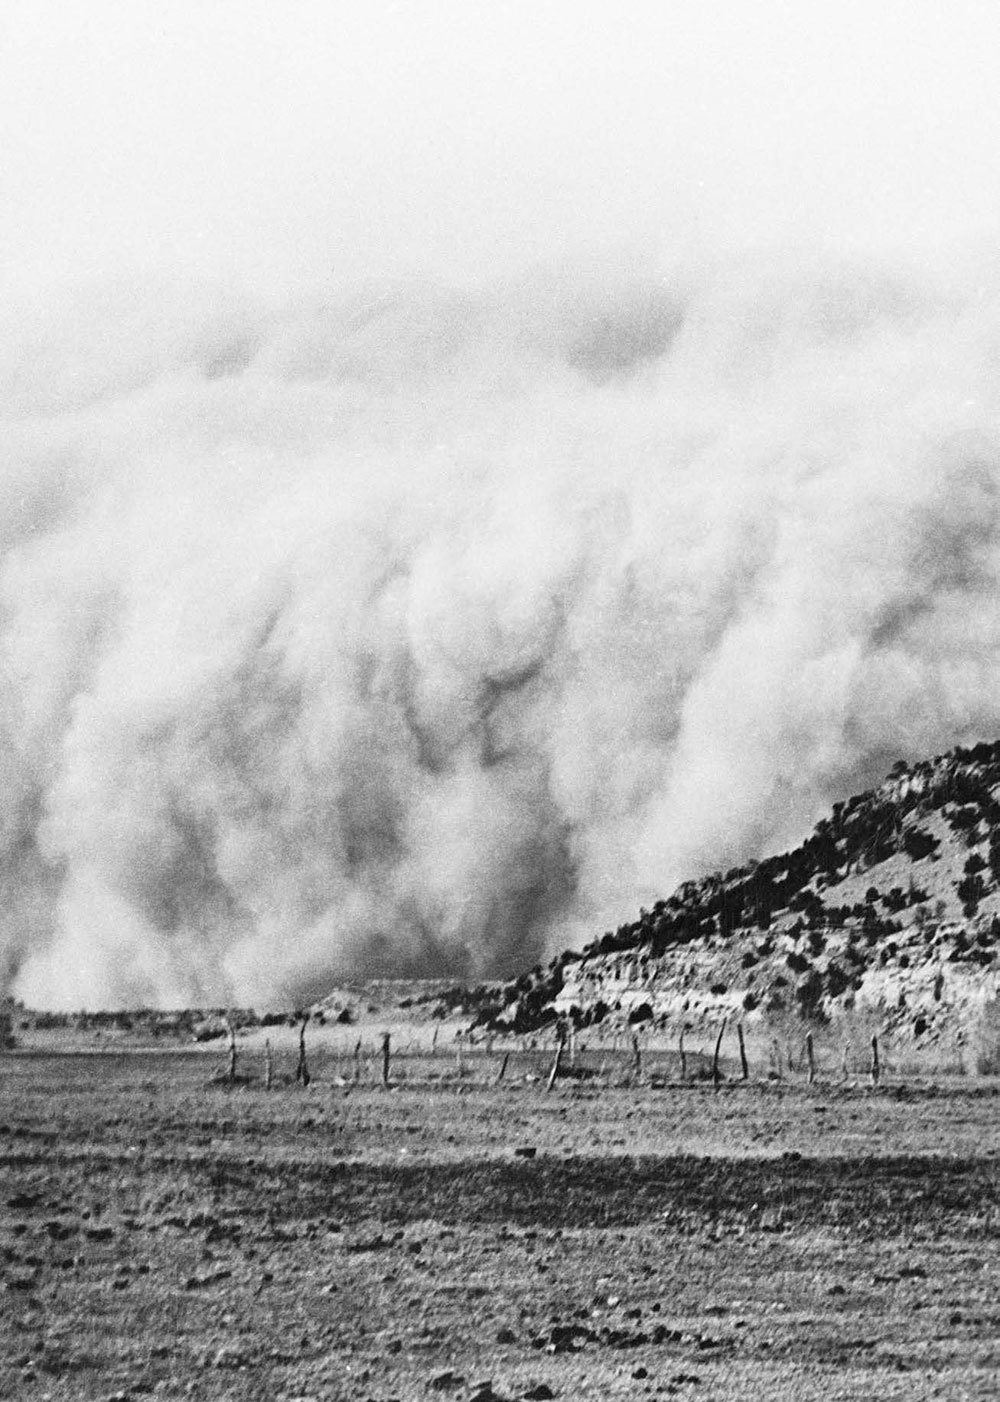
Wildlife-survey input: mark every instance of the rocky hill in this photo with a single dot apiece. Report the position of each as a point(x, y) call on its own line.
point(892, 903)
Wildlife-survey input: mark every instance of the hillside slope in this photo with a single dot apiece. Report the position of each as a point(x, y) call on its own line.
point(892, 903)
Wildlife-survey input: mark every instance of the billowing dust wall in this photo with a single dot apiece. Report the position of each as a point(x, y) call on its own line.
point(410, 630)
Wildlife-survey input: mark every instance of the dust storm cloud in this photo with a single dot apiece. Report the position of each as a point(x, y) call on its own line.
point(420, 630)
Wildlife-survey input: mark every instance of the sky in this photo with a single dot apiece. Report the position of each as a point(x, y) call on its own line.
point(466, 469)
point(300, 142)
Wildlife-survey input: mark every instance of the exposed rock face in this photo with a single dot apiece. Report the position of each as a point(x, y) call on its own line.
point(893, 903)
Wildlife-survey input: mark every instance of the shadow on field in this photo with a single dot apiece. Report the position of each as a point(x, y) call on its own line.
point(881, 1195)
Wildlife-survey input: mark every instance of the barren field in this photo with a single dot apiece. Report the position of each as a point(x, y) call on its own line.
point(164, 1235)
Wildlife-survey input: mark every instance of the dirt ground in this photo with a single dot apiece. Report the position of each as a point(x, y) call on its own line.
point(165, 1235)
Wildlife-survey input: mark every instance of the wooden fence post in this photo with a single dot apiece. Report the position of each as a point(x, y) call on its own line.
point(810, 1058)
point(268, 1064)
point(503, 1068)
point(744, 1068)
point(385, 1059)
point(876, 1072)
point(560, 1044)
point(636, 1056)
point(302, 1069)
point(683, 1056)
point(716, 1076)
point(357, 1061)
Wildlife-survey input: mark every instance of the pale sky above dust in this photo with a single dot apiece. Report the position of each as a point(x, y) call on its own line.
point(303, 142)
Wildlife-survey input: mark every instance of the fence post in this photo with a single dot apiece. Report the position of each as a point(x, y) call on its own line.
point(744, 1068)
point(876, 1070)
point(636, 1056)
point(268, 1065)
point(385, 1059)
point(810, 1058)
point(716, 1077)
point(503, 1068)
point(560, 1044)
point(683, 1056)
point(302, 1069)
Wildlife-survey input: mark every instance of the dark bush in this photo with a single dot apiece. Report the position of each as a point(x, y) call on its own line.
point(918, 844)
point(809, 992)
point(837, 981)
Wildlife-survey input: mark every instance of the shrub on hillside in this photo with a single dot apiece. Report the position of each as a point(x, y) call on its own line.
point(918, 844)
point(809, 993)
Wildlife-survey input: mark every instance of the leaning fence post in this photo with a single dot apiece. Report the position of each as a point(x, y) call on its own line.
point(560, 1045)
point(875, 1065)
point(385, 1059)
point(716, 1077)
point(434, 1042)
point(744, 1068)
point(810, 1058)
point(268, 1065)
point(357, 1061)
point(503, 1068)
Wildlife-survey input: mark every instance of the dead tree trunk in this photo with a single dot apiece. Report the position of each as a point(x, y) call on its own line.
point(716, 1074)
point(268, 1064)
point(302, 1069)
point(386, 1055)
point(744, 1068)
point(876, 1070)
point(810, 1057)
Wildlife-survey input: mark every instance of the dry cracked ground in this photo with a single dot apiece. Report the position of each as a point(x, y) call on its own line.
point(165, 1236)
